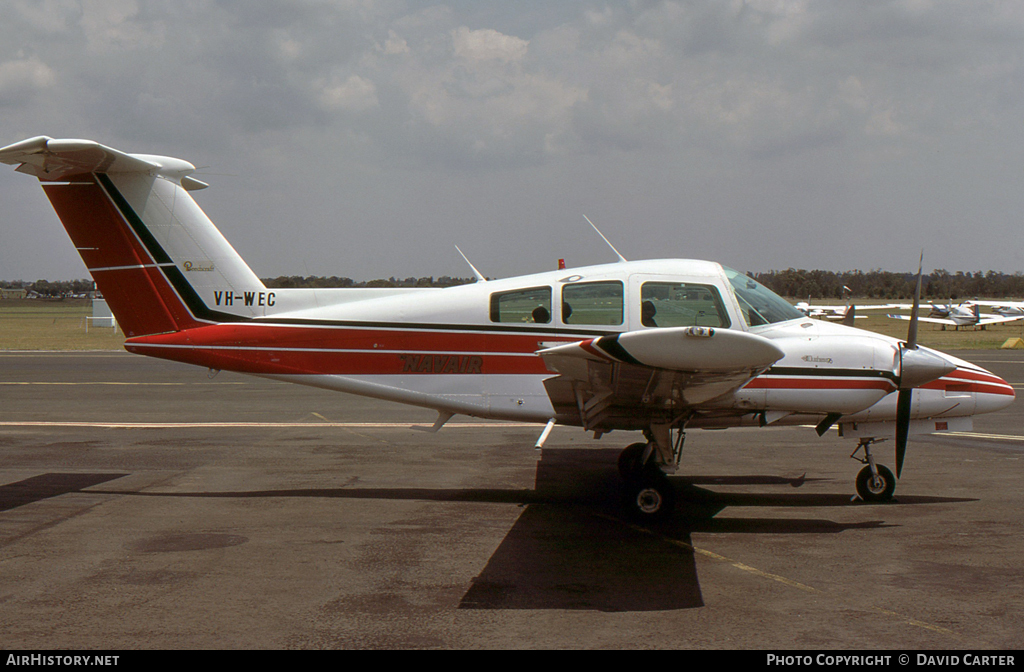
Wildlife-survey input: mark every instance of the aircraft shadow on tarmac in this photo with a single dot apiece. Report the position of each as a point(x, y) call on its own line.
point(46, 486)
point(572, 546)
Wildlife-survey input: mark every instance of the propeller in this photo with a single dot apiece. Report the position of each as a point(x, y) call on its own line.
point(917, 367)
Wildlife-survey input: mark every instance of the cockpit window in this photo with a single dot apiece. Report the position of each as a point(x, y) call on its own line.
point(758, 304)
point(681, 304)
point(524, 305)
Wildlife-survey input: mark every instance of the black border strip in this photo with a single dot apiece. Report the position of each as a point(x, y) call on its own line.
point(171, 272)
point(830, 373)
point(611, 345)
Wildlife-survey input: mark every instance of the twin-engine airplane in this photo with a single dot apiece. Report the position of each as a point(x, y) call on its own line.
point(653, 346)
point(1005, 308)
point(966, 315)
point(843, 314)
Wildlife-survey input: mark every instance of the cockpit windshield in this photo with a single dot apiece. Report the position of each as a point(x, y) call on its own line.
point(759, 305)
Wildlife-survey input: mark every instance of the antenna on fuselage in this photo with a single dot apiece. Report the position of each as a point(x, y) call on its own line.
point(479, 277)
point(621, 258)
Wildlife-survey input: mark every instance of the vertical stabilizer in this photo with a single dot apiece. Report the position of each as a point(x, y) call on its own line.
point(158, 259)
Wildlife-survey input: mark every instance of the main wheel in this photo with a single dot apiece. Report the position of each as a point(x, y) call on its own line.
point(873, 488)
point(649, 497)
point(630, 464)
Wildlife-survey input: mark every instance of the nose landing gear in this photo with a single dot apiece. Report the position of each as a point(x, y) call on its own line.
point(875, 482)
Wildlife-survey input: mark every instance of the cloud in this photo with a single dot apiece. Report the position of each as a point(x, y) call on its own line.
point(487, 44)
point(114, 25)
point(355, 94)
point(20, 78)
point(771, 116)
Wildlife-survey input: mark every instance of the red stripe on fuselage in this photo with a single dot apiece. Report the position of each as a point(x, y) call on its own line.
point(964, 380)
point(961, 380)
point(343, 337)
point(262, 348)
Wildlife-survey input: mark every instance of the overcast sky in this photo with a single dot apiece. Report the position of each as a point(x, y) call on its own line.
point(366, 138)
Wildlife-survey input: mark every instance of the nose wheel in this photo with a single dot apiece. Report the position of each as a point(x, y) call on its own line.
point(875, 482)
point(876, 487)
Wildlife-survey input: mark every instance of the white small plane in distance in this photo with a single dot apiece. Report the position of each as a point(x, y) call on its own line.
point(965, 315)
point(844, 314)
point(657, 346)
point(1004, 308)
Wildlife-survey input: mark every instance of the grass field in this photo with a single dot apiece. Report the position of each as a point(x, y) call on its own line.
point(53, 325)
point(933, 335)
point(61, 325)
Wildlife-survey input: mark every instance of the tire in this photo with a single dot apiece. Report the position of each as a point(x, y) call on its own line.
point(649, 497)
point(629, 460)
point(871, 490)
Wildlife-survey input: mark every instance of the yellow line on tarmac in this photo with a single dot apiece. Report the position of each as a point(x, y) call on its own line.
point(800, 586)
point(783, 580)
point(977, 435)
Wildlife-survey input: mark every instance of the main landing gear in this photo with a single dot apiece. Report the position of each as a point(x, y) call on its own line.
point(875, 483)
point(647, 493)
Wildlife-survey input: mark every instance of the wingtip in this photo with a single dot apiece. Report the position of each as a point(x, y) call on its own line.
point(29, 146)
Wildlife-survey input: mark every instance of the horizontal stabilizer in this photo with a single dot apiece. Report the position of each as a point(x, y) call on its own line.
point(50, 159)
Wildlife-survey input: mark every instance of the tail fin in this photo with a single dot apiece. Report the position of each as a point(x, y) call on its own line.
point(160, 262)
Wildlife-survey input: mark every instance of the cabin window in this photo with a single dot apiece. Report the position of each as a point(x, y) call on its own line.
point(592, 303)
point(522, 306)
point(681, 304)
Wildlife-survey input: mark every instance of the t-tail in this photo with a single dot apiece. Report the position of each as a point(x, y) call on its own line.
point(157, 258)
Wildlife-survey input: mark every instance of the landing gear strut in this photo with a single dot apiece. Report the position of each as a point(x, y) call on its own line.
point(875, 483)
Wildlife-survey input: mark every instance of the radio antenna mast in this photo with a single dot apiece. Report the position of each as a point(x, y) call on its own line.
point(479, 277)
point(621, 258)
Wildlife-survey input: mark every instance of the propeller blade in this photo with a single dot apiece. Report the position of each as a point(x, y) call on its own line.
point(902, 427)
point(912, 330)
point(905, 395)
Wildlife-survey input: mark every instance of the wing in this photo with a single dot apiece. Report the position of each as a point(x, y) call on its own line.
point(998, 304)
point(933, 320)
point(629, 380)
point(996, 319)
point(988, 319)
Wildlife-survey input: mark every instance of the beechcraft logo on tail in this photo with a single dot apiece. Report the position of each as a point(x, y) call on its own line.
point(197, 266)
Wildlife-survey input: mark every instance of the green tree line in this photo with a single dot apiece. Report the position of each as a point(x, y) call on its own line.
point(939, 284)
point(287, 281)
point(794, 283)
point(51, 290)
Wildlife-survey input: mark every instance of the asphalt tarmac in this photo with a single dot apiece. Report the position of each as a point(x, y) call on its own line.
point(145, 505)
